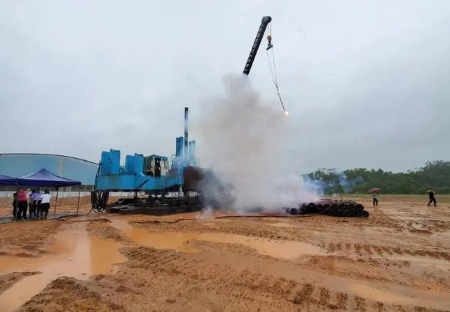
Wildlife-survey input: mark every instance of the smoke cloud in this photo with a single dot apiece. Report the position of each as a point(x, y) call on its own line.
point(243, 139)
point(331, 181)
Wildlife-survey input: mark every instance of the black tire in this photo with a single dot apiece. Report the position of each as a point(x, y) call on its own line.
point(311, 208)
point(332, 210)
point(364, 214)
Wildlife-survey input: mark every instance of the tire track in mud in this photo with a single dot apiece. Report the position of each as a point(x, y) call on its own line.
point(308, 296)
point(382, 251)
point(201, 274)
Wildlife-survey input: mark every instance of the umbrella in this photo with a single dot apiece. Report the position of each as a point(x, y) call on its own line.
point(374, 189)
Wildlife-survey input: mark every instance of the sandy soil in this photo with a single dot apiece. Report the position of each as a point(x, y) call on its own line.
point(396, 260)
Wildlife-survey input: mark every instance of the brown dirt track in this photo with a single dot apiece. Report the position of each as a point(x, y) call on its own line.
point(396, 260)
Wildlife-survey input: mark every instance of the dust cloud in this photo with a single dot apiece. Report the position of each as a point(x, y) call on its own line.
point(243, 139)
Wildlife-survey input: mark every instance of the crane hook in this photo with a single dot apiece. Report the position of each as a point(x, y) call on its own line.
point(269, 42)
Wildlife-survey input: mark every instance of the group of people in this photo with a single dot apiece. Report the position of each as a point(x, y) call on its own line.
point(31, 204)
point(431, 196)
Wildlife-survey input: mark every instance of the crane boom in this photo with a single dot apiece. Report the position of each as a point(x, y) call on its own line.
point(259, 36)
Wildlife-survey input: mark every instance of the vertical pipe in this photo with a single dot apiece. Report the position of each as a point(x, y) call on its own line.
point(186, 135)
point(79, 195)
point(56, 201)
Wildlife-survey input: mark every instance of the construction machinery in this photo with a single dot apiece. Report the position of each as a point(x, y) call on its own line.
point(265, 23)
point(255, 47)
point(162, 186)
point(325, 206)
point(157, 185)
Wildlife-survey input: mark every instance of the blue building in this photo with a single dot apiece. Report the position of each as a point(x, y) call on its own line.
point(16, 165)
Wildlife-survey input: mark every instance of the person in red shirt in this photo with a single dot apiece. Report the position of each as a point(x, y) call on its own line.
point(22, 204)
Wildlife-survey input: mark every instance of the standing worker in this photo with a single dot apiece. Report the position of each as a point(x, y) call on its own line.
point(29, 203)
point(45, 204)
point(431, 195)
point(33, 204)
point(35, 198)
point(38, 202)
point(22, 204)
point(375, 198)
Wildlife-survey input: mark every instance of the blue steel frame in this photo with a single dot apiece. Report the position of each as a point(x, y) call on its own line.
point(113, 177)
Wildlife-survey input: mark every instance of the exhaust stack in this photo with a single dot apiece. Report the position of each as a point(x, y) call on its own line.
point(186, 134)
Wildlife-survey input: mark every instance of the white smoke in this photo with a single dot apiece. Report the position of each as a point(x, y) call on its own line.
point(206, 213)
point(243, 137)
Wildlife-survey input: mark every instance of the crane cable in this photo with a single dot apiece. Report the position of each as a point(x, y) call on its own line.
point(273, 70)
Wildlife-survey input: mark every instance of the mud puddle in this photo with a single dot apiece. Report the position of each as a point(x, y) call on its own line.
point(160, 240)
point(180, 241)
point(282, 224)
point(74, 254)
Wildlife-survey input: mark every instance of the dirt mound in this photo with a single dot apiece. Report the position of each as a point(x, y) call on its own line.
point(104, 230)
point(57, 295)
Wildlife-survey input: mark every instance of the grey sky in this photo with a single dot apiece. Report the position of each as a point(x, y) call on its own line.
point(366, 82)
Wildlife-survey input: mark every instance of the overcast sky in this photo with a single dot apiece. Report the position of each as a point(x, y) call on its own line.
point(367, 83)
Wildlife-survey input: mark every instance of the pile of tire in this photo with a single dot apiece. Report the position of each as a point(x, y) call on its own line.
point(334, 208)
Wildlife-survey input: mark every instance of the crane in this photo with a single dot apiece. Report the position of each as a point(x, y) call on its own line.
point(254, 50)
point(259, 35)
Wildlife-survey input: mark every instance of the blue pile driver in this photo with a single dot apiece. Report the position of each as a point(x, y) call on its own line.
point(158, 185)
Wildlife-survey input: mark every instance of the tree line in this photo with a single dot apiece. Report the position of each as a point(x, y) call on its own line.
point(435, 174)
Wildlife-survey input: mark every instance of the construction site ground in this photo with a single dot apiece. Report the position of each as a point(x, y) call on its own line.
point(398, 259)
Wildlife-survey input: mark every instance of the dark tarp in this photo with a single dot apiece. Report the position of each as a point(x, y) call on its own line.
point(7, 180)
point(45, 178)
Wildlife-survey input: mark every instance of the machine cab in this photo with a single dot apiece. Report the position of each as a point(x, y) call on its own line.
point(156, 166)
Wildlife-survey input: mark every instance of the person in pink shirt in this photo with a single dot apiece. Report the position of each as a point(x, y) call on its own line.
point(22, 204)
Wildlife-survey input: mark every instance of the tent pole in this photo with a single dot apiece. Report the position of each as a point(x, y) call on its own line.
point(79, 194)
point(56, 202)
point(17, 200)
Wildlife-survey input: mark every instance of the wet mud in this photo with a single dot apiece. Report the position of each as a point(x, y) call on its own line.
point(72, 253)
point(126, 263)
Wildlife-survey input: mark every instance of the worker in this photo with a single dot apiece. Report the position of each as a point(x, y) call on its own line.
point(34, 197)
point(29, 203)
point(375, 199)
point(45, 204)
point(38, 197)
point(431, 195)
point(22, 204)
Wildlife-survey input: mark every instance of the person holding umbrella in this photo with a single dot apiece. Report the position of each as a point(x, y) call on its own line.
point(374, 192)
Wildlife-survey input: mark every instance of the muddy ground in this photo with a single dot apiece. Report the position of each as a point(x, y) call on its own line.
point(396, 260)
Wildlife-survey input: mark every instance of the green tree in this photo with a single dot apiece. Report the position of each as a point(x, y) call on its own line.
point(435, 174)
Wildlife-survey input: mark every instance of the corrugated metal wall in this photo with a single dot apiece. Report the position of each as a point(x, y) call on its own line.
point(16, 165)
